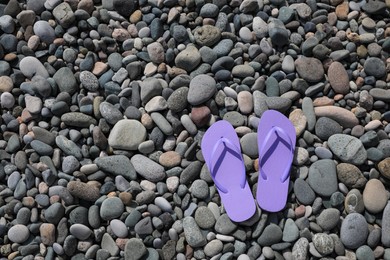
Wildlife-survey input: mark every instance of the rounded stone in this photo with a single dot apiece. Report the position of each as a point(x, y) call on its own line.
point(118, 228)
point(374, 66)
point(338, 78)
point(18, 233)
point(350, 175)
point(188, 59)
point(204, 217)
point(375, 196)
point(323, 178)
point(127, 134)
point(111, 208)
point(169, 159)
point(310, 69)
point(89, 80)
point(202, 88)
point(323, 243)
point(44, 31)
point(328, 219)
point(326, 127)
point(354, 231)
point(207, 35)
point(213, 247)
point(249, 145)
point(80, 231)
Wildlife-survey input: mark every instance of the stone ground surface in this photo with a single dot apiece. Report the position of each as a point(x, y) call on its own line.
point(104, 104)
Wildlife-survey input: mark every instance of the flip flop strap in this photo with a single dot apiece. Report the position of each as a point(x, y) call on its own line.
point(235, 151)
point(277, 130)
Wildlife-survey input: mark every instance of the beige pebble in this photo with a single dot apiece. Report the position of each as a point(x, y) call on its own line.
point(299, 121)
point(372, 125)
point(99, 68)
point(341, 115)
point(126, 198)
point(148, 185)
point(375, 196)
point(147, 121)
point(170, 159)
point(47, 232)
point(323, 101)
point(150, 69)
point(172, 183)
point(384, 167)
point(6, 84)
point(245, 102)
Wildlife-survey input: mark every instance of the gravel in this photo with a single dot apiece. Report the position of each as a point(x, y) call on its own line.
point(104, 105)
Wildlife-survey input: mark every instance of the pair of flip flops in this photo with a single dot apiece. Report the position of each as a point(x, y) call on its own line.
point(222, 153)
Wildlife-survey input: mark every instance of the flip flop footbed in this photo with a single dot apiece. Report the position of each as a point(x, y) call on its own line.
point(276, 142)
point(225, 163)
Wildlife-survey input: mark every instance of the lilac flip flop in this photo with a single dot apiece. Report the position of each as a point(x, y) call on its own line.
point(276, 143)
point(222, 153)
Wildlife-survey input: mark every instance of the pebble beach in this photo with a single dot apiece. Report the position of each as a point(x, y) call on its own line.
point(104, 104)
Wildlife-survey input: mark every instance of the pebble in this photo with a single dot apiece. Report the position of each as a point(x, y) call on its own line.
point(350, 175)
point(341, 115)
point(310, 69)
point(385, 238)
point(117, 165)
point(147, 168)
point(204, 217)
point(134, 249)
point(18, 233)
point(375, 196)
point(201, 89)
point(290, 231)
point(83, 190)
point(249, 145)
point(354, 201)
point(127, 134)
point(192, 232)
point(163, 204)
point(348, 148)
point(374, 66)
point(89, 81)
point(177, 101)
point(338, 78)
point(323, 243)
point(298, 119)
point(323, 177)
point(44, 31)
point(188, 59)
point(7, 100)
point(78, 119)
point(119, 228)
point(111, 208)
point(303, 192)
point(80, 231)
point(328, 219)
point(207, 35)
point(272, 234)
point(213, 247)
point(224, 225)
point(354, 231)
point(33, 104)
point(245, 102)
point(300, 249)
point(104, 110)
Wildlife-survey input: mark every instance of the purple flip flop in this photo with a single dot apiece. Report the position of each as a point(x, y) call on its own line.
point(222, 153)
point(276, 142)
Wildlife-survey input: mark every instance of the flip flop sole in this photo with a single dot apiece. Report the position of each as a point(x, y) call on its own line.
point(228, 170)
point(275, 159)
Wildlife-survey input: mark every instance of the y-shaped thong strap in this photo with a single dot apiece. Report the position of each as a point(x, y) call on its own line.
point(232, 149)
point(286, 141)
